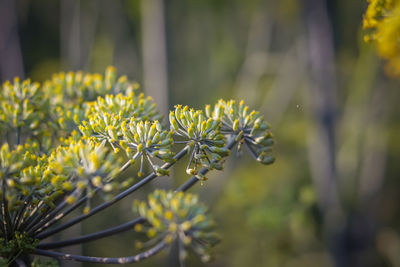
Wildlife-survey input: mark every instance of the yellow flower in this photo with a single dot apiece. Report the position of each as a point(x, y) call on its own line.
point(382, 25)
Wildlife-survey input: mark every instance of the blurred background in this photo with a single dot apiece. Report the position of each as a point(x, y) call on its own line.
point(332, 198)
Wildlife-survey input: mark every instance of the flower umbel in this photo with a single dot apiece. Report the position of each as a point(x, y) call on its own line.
point(85, 167)
point(147, 141)
point(177, 217)
point(246, 127)
point(202, 136)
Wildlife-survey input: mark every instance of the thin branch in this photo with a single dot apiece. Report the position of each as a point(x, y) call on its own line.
point(94, 236)
point(251, 150)
point(192, 181)
point(62, 215)
point(120, 260)
point(126, 166)
point(21, 211)
point(52, 214)
point(34, 215)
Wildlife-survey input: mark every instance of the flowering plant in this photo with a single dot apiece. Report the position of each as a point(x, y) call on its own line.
point(71, 138)
point(382, 24)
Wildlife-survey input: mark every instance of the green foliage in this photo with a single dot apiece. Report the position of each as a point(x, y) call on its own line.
point(44, 263)
point(19, 244)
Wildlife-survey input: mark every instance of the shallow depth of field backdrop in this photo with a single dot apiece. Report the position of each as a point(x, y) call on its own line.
point(332, 198)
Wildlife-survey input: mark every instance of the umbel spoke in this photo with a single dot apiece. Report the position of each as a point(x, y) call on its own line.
point(120, 260)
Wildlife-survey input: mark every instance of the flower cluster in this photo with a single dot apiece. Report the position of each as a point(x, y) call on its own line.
point(70, 95)
point(177, 216)
point(146, 140)
point(31, 110)
point(105, 116)
point(88, 129)
point(202, 136)
point(382, 25)
point(129, 106)
point(84, 167)
point(23, 177)
point(23, 108)
point(246, 126)
point(71, 88)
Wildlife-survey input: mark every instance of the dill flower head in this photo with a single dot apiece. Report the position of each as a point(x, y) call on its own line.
point(70, 88)
point(202, 136)
point(83, 167)
point(247, 127)
point(104, 117)
point(22, 173)
point(177, 217)
point(23, 108)
point(147, 141)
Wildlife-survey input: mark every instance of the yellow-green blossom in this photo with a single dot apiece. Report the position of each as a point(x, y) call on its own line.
point(202, 136)
point(247, 127)
point(382, 25)
point(177, 216)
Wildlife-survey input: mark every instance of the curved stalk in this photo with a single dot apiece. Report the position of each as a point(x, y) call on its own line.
point(120, 260)
point(94, 236)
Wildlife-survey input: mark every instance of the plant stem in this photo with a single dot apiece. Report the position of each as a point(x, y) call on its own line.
point(251, 150)
point(53, 213)
point(20, 212)
point(40, 215)
point(126, 166)
point(192, 181)
point(61, 215)
point(120, 260)
point(33, 216)
point(94, 236)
